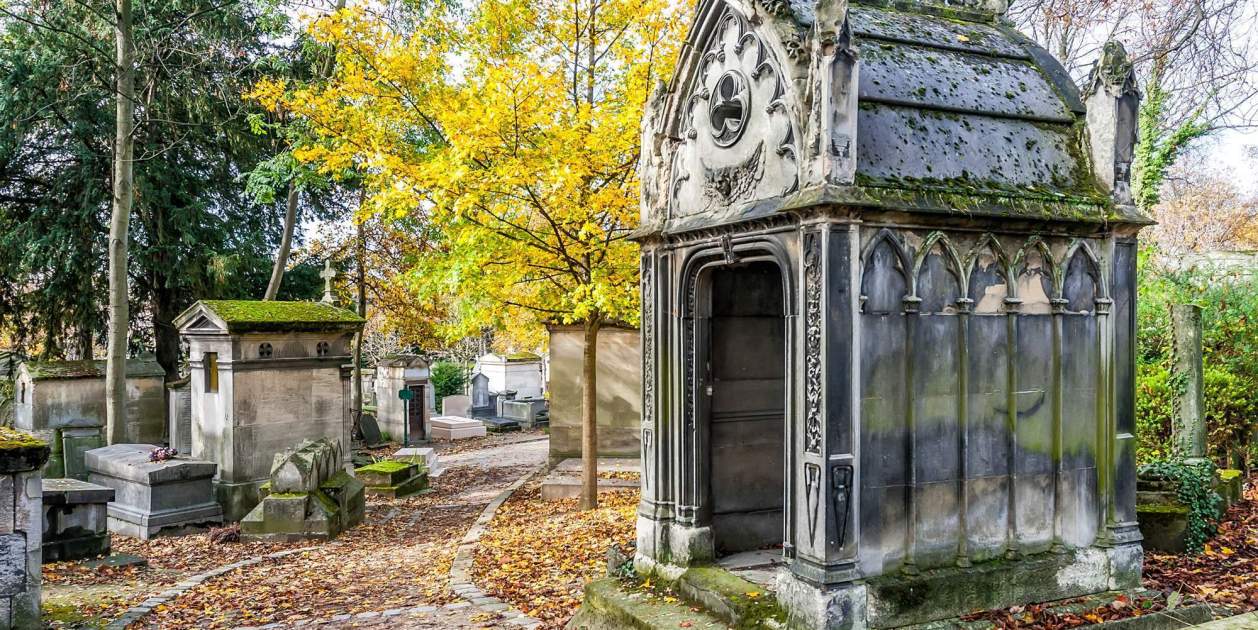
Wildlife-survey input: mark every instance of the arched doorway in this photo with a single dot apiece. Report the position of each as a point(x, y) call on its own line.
point(744, 383)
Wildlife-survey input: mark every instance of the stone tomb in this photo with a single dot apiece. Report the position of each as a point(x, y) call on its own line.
point(888, 268)
point(520, 372)
point(456, 428)
point(393, 478)
point(309, 496)
point(76, 519)
point(394, 374)
point(21, 528)
point(70, 442)
point(51, 395)
point(151, 497)
point(265, 376)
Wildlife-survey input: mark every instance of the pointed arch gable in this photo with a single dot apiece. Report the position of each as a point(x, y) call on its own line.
point(1095, 266)
point(939, 283)
point(989, 285)
point(886, 274)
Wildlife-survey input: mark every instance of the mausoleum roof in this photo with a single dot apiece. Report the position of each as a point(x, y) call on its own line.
point(916, 107)
point(61, 370)
point(271, 316)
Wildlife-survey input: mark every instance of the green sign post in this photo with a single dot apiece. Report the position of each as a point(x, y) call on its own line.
point(406, 395)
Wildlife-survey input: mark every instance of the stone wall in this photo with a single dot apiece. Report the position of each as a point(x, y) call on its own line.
point(21, 528)
point(619, 391)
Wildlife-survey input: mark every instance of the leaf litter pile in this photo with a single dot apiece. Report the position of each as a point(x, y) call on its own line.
point(1226, 572)
point(538, 555)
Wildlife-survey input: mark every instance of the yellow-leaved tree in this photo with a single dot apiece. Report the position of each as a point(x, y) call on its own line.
point(511, 129)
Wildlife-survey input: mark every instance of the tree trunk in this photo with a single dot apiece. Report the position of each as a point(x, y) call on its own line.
point(119, 226)
point(286, 243)
point(589, 416)
point(361, 254)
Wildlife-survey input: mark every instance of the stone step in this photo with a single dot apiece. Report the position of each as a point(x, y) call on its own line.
point(730, 598)
point(608, 605)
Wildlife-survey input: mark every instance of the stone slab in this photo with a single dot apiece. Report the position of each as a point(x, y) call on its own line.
point(154, 496)
point(370, 430)
point(131, 462)
point(117, 560)
point(500, 425)
point(605, 464)
point(558, 486)
point(425, 454)
point(73, 492)
point(456, 428)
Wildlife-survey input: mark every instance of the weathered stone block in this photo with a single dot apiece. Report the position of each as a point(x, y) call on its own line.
point(425, 457)
point(76, 519)
point(334, 502)
point(393, 478)
point(153, 496)
point(459, 406)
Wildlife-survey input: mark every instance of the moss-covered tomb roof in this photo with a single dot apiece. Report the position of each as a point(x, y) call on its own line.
point(54, 370)
point(259, 315)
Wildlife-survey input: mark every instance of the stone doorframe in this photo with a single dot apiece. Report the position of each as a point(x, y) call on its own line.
point(681, 531)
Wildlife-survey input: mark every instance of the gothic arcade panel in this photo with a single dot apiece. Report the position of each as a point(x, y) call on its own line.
point(981, 395)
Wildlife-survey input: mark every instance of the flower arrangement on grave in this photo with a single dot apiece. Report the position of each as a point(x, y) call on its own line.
point(162, 453)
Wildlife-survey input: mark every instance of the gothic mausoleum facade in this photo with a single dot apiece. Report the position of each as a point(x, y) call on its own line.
point(888, 283)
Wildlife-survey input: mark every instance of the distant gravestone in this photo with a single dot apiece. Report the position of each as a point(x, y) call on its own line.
point(459, 406)
point(371, 430)
point(480, 391)
point(75, 443)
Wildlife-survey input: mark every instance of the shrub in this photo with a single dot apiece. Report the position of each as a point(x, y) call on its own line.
point(447, 379)
point(1230, 348)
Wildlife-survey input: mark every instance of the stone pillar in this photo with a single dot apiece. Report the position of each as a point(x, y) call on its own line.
point(1186, 381)
point(21, 528)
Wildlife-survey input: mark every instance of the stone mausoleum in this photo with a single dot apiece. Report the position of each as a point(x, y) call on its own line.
point(888, 281)
point(265, 376)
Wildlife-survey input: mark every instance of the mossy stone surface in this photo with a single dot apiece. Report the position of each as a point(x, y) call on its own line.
point(609, 605)
point(21, 451)
point(266, 316)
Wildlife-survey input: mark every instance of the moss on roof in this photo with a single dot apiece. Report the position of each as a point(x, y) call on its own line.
point(523, 356)
point(258, 315)
point(49, 370)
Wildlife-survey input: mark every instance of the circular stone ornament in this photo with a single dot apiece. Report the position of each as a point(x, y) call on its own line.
point(729, 107)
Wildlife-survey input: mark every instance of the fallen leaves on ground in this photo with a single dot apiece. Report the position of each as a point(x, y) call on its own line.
point(399, 557)
point(1225, 572)
point(538, 555)
point(490, 440)
point(1060, 615)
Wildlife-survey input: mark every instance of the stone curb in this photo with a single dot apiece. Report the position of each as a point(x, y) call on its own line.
point(133, 614)
point(461, 581)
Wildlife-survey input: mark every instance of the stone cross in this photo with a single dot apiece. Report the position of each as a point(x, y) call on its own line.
point(328, 274)
point(1186, 382)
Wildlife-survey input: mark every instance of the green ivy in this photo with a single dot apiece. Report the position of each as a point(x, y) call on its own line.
point(1194, 487)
